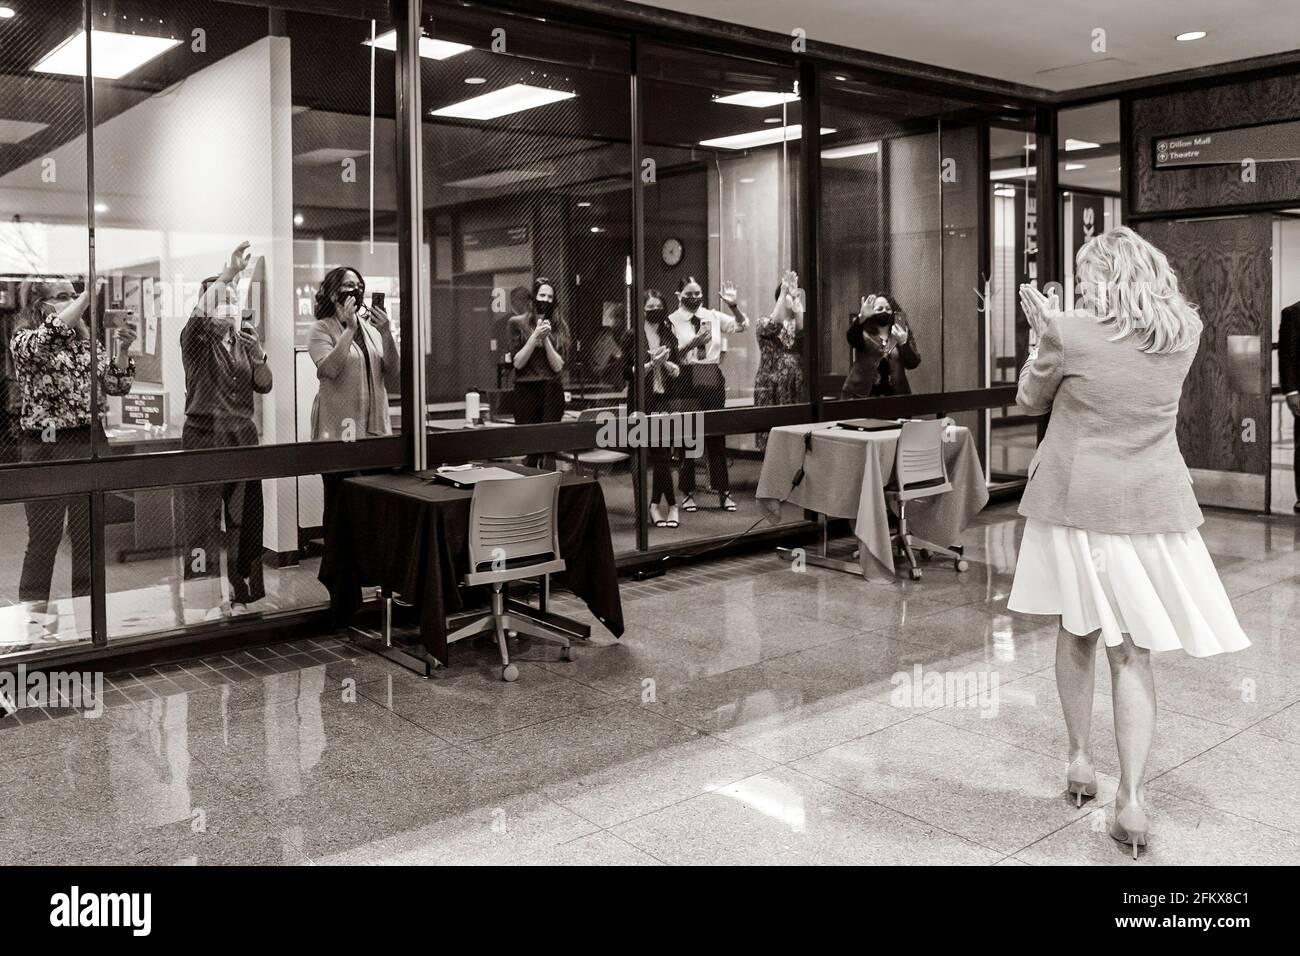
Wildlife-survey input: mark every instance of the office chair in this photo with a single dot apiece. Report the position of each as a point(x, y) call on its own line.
point(595, 458)
point(920, 471)
point(512, 537)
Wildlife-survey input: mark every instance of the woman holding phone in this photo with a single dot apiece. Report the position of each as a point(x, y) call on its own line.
point(884, 349)
point(357, 363)
point(1111, 544)
point(539, 344)
point(699, 332)
point(779, 380)
point(53, 362)
point(662, 365)
point(225, 367)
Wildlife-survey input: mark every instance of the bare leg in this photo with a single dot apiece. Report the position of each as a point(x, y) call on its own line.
point(1075, 668)
point(1134, 691)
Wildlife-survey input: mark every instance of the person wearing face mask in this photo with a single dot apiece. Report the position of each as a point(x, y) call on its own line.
point(699, 332)
point(884, 349)
point(53, 360)
point(662, 364)
point(539, 343)
point(779, 380)
point(225, 367)
point(357, 364)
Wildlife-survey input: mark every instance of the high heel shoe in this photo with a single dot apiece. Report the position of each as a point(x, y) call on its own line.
point(1081, 780)
point(1130, 826)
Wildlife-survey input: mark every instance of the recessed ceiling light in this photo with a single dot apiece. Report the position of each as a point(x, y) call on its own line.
point(757, 99)
point(857, 149)
point(475, 80)
point(297, 219)
point(1072, 144)
point(1020, 172)
point(772, 119)
point(1073, 166)
point(502, 177)
point(101, 207)
point(842, 79)
point(6, 13)
point(584, 204)
point(512, 99)
point(114, 54)
point(759, 137)
point(747, 179)
point(430, 48)
point(597, 229)
point(1191, 35)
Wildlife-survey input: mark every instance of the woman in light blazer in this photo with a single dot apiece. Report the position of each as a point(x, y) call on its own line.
point(1110, 542)
point(357, 364)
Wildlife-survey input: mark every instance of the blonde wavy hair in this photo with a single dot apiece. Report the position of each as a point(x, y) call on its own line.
point(1128, 284)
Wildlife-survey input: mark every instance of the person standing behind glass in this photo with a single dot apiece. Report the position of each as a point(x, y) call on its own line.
point(52, 362)
point(699, 332)
point(884, 349)
point(661, 363)
point(225, 367)
point(539, 343)
point(779, 380)
point(357, 364)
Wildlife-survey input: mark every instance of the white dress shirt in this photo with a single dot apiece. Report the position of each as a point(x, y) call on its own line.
point(711, 319)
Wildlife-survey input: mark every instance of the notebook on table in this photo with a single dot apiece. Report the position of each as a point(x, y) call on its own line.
point(872, 424)
point(468, 477)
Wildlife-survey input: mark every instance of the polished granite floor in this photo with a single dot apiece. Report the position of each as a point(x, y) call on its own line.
point(752, 714)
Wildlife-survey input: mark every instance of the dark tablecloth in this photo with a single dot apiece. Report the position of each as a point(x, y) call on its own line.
point(410, 536)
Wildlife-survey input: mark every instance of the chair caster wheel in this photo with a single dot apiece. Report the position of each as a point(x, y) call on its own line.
point(962, 564)
point(960, 549)
point(510, 673)
point(916, 574)
point(566, 654)
point(926, 554)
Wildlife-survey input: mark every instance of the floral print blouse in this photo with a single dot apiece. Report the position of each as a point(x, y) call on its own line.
point(53, 366)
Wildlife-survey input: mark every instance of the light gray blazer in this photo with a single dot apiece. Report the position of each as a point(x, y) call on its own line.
point(1110, 459)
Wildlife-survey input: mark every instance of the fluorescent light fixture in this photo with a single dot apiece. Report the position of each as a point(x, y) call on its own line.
point(502, 177)
point(6, 13)
point(512, 99)
point(1020, 172)
point(857, 149)
point(584, 204)
point(757, 99)
point(747, 179)
point(597, 229)
point(475, 80)
point(101, 207)
point(430, 48)
point(1191, 35)
point(842, 79)
point(15, 131)
point(1072, 144)
point(114, 54)
point(759, 137)
point(327, 156)
point(1004, 191)
point(1073, 166)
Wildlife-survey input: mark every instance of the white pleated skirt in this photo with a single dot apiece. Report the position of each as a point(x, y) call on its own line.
point(1161, 589)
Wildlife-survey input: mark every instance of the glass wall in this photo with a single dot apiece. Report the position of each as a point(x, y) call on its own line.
point(203, 261)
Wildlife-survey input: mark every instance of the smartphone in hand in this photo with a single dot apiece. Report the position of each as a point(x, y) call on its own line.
point(246, 323)
point(377, 301)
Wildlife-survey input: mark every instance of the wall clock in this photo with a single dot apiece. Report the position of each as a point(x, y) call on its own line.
point(671, 252)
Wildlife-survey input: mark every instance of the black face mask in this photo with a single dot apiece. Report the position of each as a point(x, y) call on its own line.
point(543, 309)
point(354, 295)
point(884, 319)
point(654, 316)
point(692, 302)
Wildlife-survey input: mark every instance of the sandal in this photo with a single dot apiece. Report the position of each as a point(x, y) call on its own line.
point(688, 503)
point(671, 521)
point(725, 502)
